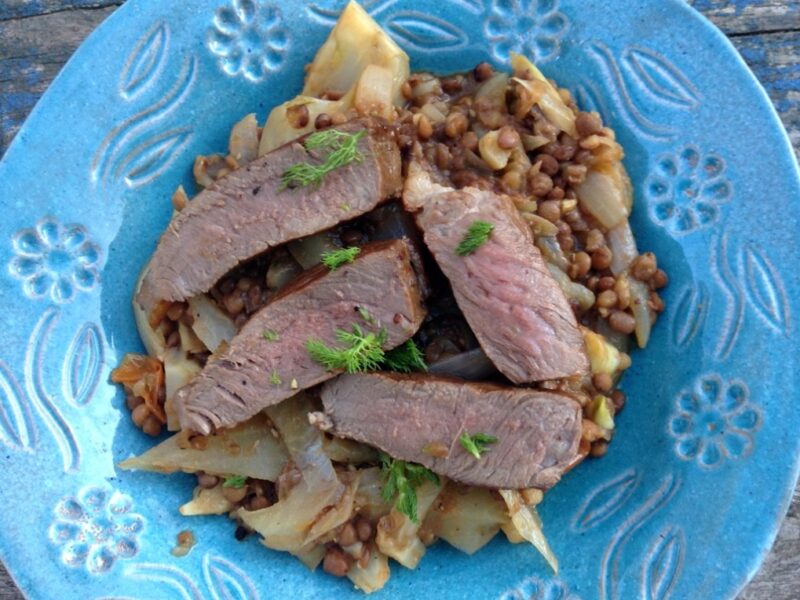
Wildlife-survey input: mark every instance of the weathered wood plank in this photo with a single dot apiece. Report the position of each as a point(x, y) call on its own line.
point(38, 36)
point(750, 16)
point(15, 9)
point(775, 59)
point(779, 577)
point(32, 52)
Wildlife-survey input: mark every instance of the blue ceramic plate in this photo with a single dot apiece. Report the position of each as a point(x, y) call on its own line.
point(690, 496)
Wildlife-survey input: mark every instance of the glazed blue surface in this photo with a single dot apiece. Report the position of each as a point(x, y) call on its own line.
point(688, 499)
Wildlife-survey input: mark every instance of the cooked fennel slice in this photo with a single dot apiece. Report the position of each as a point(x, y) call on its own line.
point(467, 518)
point(526, 523)
point(249, 450)
point(207, 502)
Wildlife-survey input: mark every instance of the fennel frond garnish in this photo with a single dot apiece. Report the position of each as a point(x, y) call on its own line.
point(401, 480)
point(476, 236)
point(477, 444)
point(406, 358)
point(340, 149)
point(360, 351)
point(333, 259)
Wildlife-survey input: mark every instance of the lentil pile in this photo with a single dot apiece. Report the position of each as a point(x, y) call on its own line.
point(482, 129)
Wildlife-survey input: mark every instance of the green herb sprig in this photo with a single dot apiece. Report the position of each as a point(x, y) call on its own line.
point(406, 358)
point(271, 335)
point(341, 148)
point(275, 378)
point(477, 444)
point(476, 236)
point(401, 480)
point(234, 481)
point(360, 351)
point(333, 259)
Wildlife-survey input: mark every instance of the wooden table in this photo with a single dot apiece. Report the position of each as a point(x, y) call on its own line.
point(37, 37)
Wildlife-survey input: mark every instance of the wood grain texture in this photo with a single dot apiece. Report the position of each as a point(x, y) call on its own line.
point(38, 36)
point(32, 52)
point(751, 16)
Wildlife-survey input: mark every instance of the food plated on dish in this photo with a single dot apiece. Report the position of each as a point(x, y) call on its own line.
point(398, 312)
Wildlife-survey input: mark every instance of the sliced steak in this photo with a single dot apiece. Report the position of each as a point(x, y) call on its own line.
point(255, 372)
point(246, 213)
point(412, 417)
point(516, 309)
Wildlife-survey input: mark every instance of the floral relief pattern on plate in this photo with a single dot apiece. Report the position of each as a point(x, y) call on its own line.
point(95, 529)
point(685, 190)
point(533, 28)
point(714, 420)
point(55, 261)
point(249, 39)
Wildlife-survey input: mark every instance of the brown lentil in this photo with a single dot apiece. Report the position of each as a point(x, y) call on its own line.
point(601, 258)
point(595, 240)
point(655, 303)
point(347, 535)
point(548, 164)
point(151, 426)
point(453, 85)
point(470, 141)
point(540, 184)
point(602, 382)
point(605, 283)
point(622, 321)
point(323, 121)
point(207, 481)
point(337, 562)
point(234, 303)
point(233, 494)
point(581, 263)
point(550, 210)
point(584, 157)
point(442, 157)
point(424, 128)
point(483, 71)
point(618, 400)
point(644, 266)
point(557, 193)
point(508, 138)
point(623, 290)
point(175, 312)
point(575, 174)
point(606, 299)
point(140, 414)
point(297, 116)
point(587, 124)
point(406, 90)
point(133, 401)
point(173, 339)
point(599, 448)
point(659, 280)
point(456, 124)
point(363, 529)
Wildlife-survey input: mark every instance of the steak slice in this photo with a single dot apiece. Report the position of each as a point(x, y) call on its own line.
point(254, 372)
point(516, 309)
point(408, 416)
point(246, 213)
